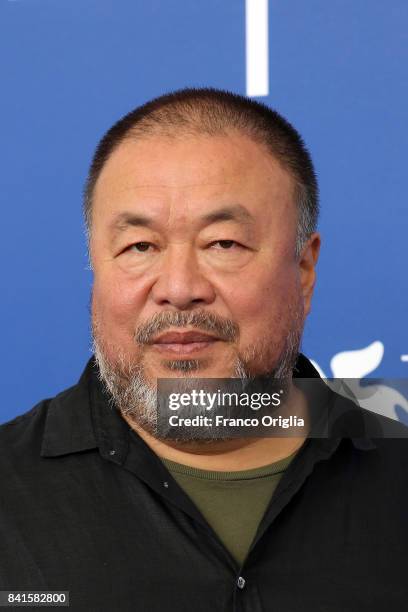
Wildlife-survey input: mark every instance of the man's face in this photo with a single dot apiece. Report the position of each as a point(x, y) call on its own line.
point(196, 234)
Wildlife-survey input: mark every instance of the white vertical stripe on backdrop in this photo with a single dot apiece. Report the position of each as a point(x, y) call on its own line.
point(257, 47)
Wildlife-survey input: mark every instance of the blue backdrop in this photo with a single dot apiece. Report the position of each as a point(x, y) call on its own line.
point(70, 68)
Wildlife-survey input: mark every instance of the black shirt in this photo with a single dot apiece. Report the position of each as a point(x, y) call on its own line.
point(87, 507)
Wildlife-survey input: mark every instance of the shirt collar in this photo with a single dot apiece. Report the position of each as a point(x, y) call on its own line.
point(83, 418)
point(68, 426)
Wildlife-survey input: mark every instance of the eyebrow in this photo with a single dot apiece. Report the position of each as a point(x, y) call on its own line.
point(236, 212)
point(128, 219)
point(229, 213)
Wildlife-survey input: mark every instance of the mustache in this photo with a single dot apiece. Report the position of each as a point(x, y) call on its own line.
point(224, 328)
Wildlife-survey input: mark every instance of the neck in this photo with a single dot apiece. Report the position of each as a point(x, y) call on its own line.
point(232, 454)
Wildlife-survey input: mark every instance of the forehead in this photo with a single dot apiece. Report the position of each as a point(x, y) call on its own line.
point(189, 173)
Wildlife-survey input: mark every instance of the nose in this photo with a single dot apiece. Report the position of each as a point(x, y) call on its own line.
point(180, 282)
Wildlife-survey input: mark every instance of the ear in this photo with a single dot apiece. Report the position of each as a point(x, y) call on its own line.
point(307, 264)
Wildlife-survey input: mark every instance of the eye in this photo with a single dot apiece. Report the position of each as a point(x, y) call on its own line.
point(140, 247)
point(226, 244)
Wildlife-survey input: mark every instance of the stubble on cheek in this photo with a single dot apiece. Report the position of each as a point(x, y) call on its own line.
point(278, 340)
point(114, 347)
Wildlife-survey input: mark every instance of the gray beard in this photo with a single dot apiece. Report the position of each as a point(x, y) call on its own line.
point(132, 394)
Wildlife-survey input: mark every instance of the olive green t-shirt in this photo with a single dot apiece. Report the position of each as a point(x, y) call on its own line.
point(233, 503)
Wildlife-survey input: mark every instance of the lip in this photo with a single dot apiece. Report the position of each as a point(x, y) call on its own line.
point(184, 338)
point(184, 342)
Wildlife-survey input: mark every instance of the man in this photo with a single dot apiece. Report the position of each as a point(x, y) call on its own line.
point(201, 209)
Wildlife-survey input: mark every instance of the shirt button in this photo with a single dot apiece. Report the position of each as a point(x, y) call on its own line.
point(241, 582)
point(112, 452)
point(166, 484)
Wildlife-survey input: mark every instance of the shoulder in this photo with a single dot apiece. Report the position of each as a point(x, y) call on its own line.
point(386, 439)
point(18, 431)
point(391, 439)
point(23, 435)
point(51, 416)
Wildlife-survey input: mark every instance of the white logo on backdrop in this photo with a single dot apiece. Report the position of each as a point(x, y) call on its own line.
point(354, 366)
